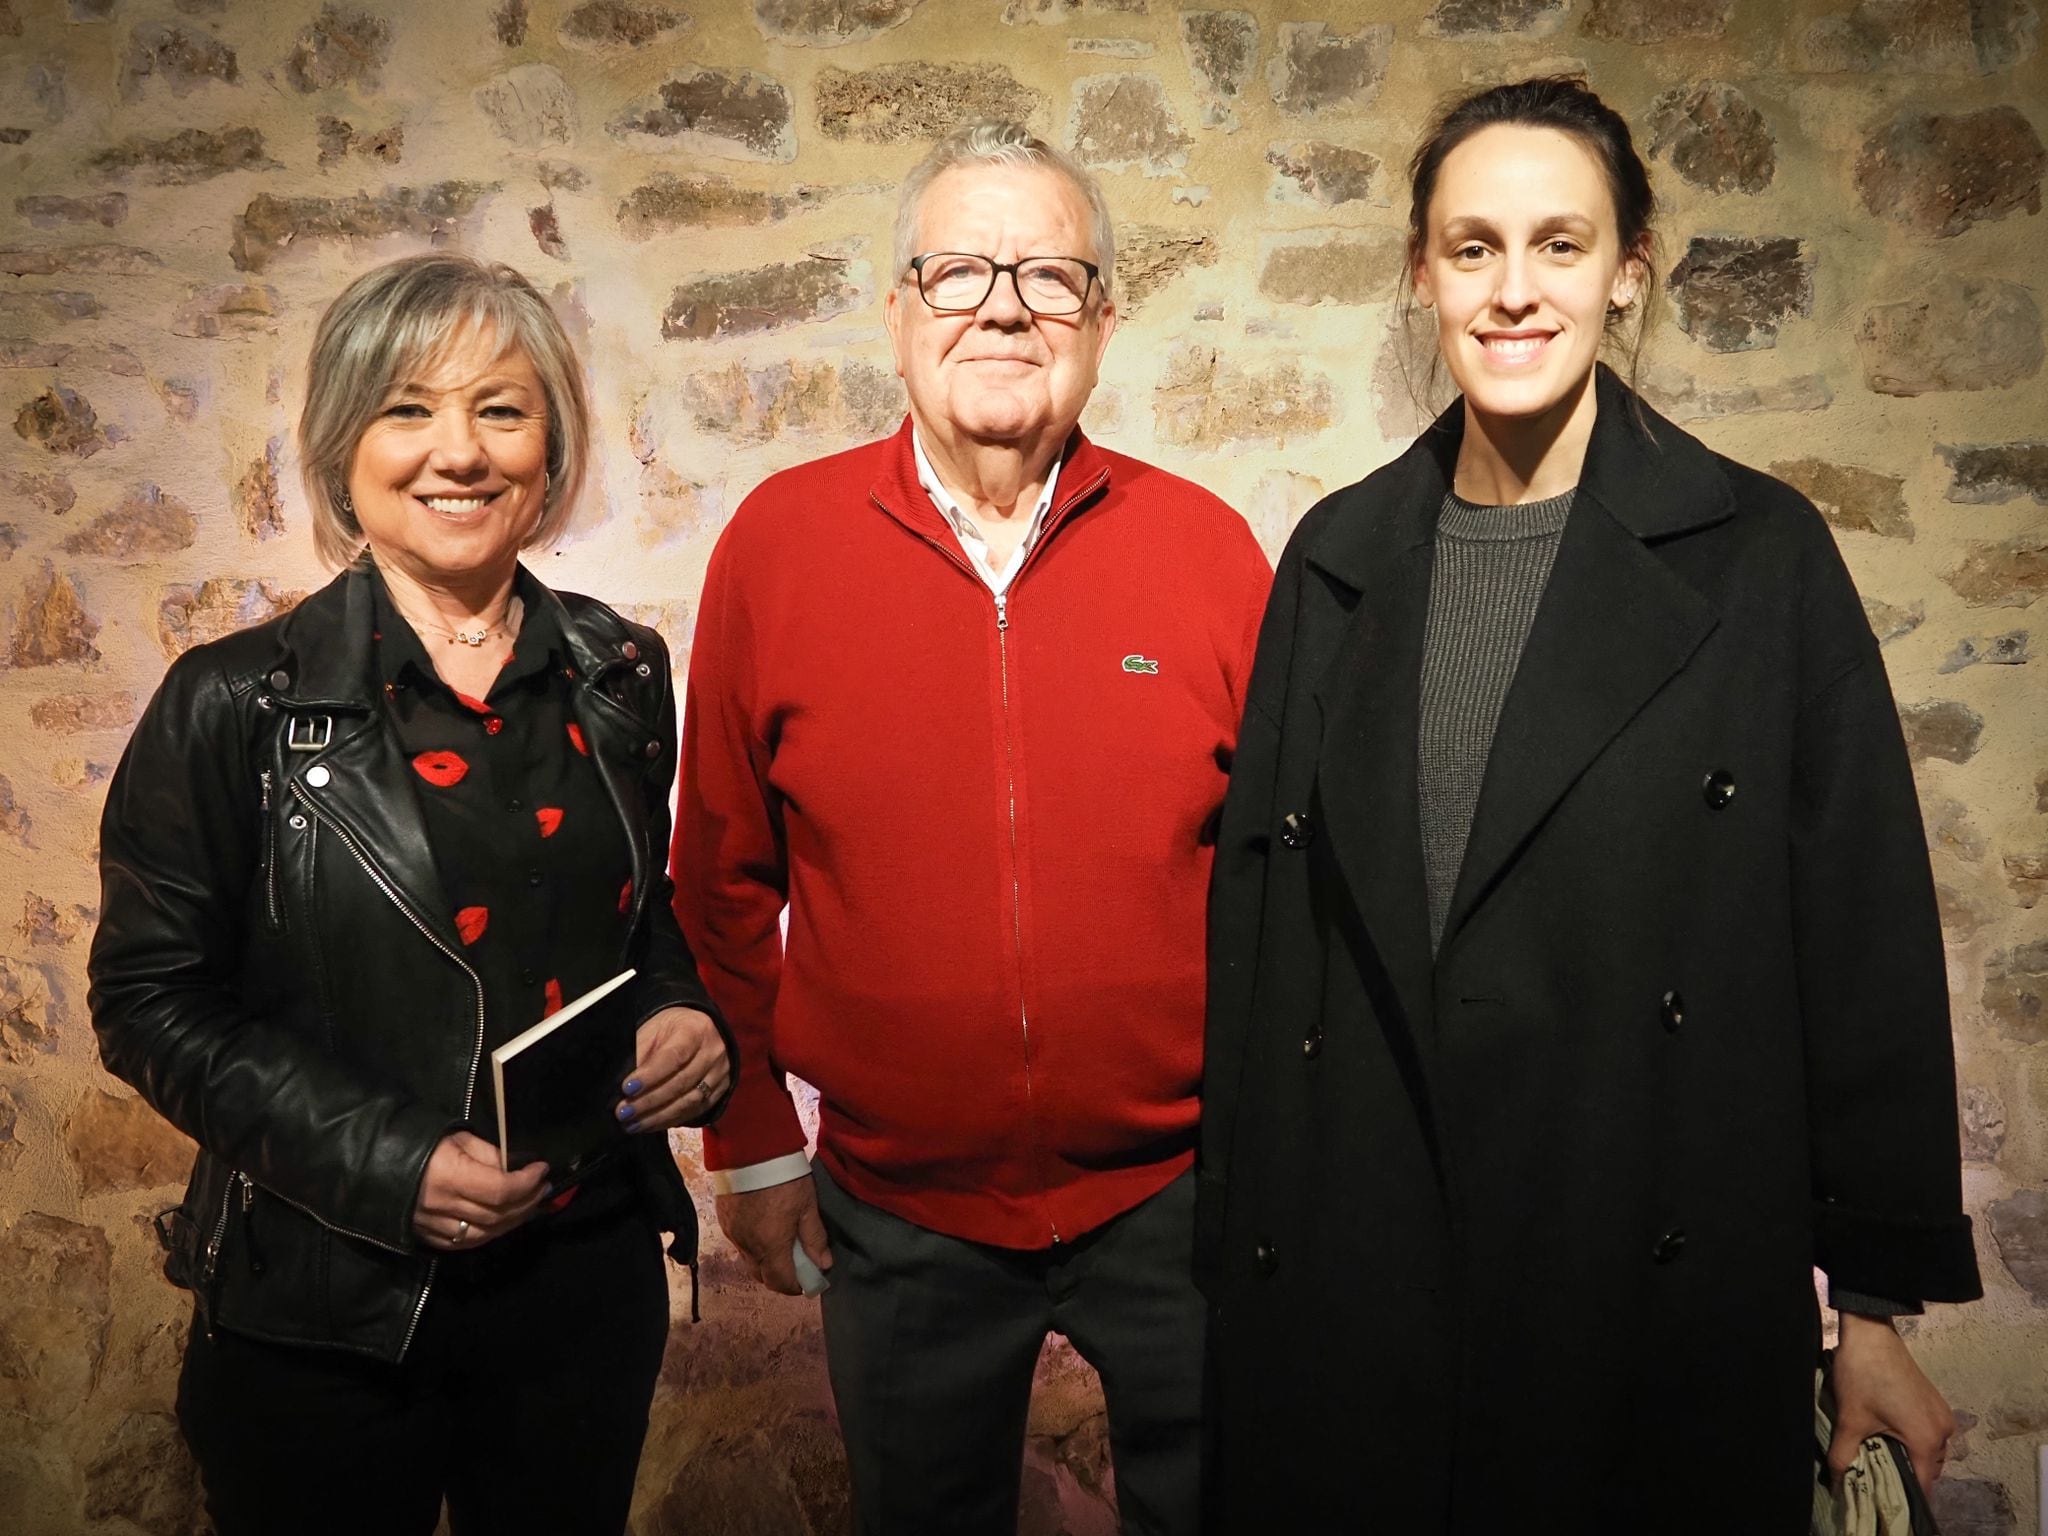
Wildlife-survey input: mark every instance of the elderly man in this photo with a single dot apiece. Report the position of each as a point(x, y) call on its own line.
point(964, 700)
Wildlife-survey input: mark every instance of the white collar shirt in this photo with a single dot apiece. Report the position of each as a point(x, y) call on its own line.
point(972, 543)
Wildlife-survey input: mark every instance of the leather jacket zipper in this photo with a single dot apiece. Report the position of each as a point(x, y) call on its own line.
point(212, 1266)
point(476, 1055)
point(1016, 875)
point(270, 903)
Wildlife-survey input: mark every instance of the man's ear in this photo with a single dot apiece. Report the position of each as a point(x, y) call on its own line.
point(892, 322)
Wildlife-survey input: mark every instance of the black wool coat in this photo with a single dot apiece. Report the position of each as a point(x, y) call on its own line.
point(1519, 1237)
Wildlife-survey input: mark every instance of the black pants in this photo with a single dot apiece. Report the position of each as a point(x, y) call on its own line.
point(523, 1402)
point(932, 1343)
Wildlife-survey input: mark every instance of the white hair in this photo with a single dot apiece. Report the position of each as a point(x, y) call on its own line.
point(995, 142)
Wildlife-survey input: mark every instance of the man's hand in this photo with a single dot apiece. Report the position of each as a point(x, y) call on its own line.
point(464, 1200)
point(1880, 1390)
point(764, 1223)
point(680, 1069)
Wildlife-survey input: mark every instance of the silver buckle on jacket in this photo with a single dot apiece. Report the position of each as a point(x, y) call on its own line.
point(309, 733)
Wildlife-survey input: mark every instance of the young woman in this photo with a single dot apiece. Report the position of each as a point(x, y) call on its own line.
point(1576, 980)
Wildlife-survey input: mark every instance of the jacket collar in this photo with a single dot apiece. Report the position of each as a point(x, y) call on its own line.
point(1652, 477)
point(1084, 474)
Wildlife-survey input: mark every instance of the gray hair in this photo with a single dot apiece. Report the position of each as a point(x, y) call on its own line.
point(386, 325)
point(995, 142)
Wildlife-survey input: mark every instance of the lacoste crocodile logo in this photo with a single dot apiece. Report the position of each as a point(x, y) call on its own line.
point(1136, 663)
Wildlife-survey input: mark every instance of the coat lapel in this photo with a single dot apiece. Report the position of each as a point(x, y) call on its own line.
point(1615, 624)
point(1369, 696)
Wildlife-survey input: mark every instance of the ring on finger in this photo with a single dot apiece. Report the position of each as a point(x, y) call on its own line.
point(461, 1230)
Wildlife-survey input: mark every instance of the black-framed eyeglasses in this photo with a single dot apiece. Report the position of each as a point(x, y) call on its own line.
point(959, 282)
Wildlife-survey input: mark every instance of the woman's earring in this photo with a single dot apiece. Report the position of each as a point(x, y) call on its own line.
point(341, 500)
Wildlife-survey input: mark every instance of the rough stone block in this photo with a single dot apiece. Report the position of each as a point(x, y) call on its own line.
point(2027, 875)
point(2010, 574)
point(118, 1142)
point(547, 231)
point(220, 605)
point(1124, 123)
point(1961, 333)
point(341, 47)
point(666, 203)
point(10, 1139)
point(1150, 256)
point(67, 714)
point(1858, 500)
point(1713, 138)
point(617, 24)
point(103, 257)
point(1222, 49)
point(48, 212)
point(1977, 37)
point(1983, 1122)
point(509, 21)
point(15, 352)
point(677, 511)
point(1657, 21)
point(10, 24)
point(28, 1023)
point(50, 306)
point(189, 155)
point(1330, 266)
point(2007, 650)
point(339, 138)
point(269, 223)
point(183, 58)
point(2019, 1226)
point(732, 114)
point(14, 820)
point(48, 926)
point(1938, 174)
point(145, 1475)
point(1950, 830)
point(230, 310)
point(145, 522)
point(895, 102)
point(50, 626)
point(1124, 48)
point(1057, 13)
point(1732, 294)
point(1324, 175)
point(2015, 989)
point(852, 400)
point(529, 105)
point(259, 502)
point(1317, 71)
point(46, 495)
point(55, 1310)
point(1491, 18)
point(1276, 504)
point(1943, 728)
point(1973, 1506)
point(768, 298)
point(1991, 472)
point(1205, 401)
point(829, 23)
point(63, 421)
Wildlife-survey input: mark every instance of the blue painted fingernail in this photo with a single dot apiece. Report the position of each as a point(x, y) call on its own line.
point(626, 1111)
point(632, 1087)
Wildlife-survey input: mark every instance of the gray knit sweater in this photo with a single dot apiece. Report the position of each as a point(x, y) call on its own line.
point(1490, 568)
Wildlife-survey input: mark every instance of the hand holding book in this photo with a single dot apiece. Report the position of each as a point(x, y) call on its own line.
point(680, 1070)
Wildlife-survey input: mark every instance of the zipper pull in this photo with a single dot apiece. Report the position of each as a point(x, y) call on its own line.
point(1002, 610)
point(249, 1226)
point(265, 777)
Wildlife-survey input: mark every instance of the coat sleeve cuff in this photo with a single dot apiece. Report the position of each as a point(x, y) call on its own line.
point(1883, 1255)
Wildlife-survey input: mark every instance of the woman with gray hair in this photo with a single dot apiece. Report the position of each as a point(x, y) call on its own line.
point(346, 854)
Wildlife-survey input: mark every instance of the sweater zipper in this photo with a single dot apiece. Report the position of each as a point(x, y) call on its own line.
point(476, 1055)
point(1016, 877)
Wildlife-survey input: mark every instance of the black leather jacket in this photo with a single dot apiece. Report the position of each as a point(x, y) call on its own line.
point(277, 972)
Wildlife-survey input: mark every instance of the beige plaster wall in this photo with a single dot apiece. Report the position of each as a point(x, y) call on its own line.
point(1852, 189)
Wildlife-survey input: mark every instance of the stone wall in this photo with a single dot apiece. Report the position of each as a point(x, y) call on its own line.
point(1852, 190)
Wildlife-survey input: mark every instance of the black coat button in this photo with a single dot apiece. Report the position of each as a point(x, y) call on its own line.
point(1672, 1011)
point(1718, 788)
point(630, 651)
point(1312, 1044)
point(652, 749)
point(1268, 1259)
point(280, 679)
point(1297, 829)
point(1669, 1246)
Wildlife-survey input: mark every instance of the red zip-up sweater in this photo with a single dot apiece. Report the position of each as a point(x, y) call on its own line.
point(992, 823)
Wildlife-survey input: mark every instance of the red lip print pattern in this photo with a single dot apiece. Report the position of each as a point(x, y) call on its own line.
point(443, 770)
point(478, 705)
point(553, 993)
point(576, 739)
point(471, 922)
point(625, 898)
point(550, 819)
